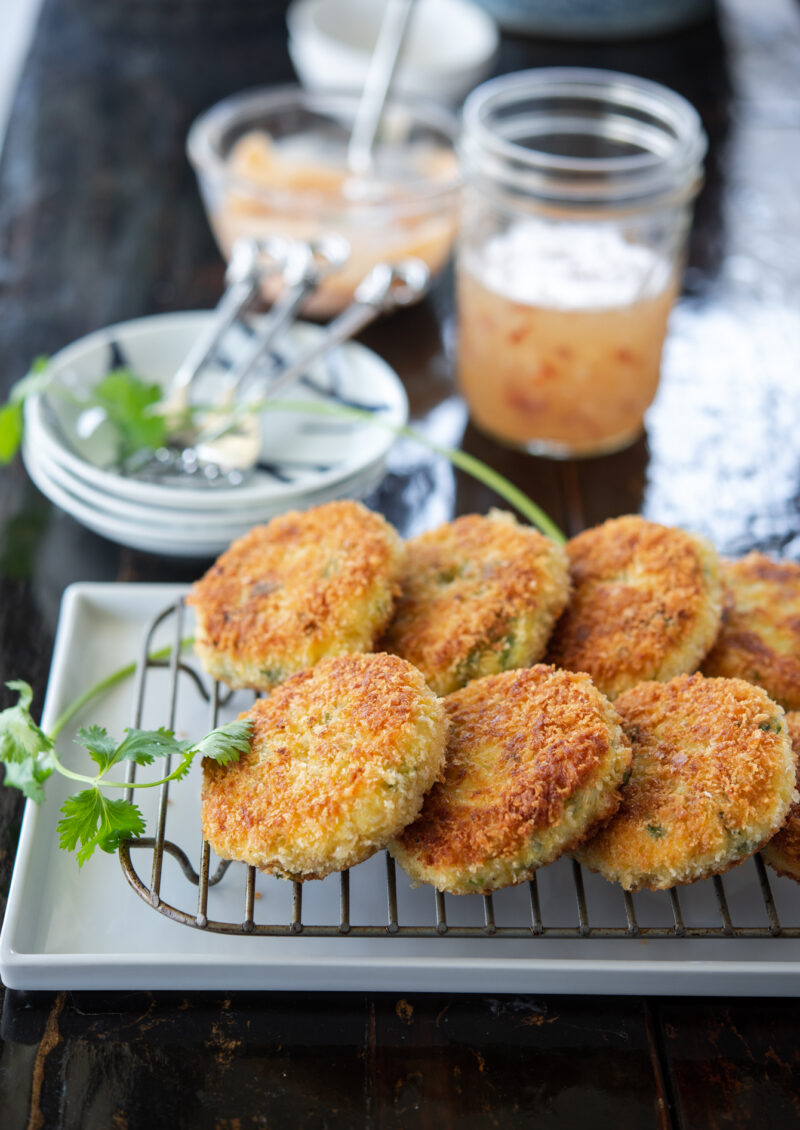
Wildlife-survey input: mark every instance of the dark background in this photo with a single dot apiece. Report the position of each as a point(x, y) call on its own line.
point(100, 221)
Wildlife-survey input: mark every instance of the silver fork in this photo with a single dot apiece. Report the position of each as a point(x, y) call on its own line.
point(226, 449)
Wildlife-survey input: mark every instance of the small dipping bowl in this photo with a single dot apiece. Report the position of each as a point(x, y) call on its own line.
point(273, 163)
point(579, 186)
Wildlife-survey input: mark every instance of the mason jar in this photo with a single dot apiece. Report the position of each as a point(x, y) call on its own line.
point(578, 194)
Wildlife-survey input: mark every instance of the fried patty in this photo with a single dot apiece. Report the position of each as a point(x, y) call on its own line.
point(646, 604)
point(479, 595)
point(760, 636)
point(783, 851)
point(713, 778)
point(307, 585)
point(341, 757)
point(534, 762)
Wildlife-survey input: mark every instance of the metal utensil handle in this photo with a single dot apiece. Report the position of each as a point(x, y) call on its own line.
point(243, 278)
point(382, 66)
point(307, 265)
point(384, 288)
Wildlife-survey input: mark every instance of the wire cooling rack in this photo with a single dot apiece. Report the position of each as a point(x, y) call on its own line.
point(718, 918)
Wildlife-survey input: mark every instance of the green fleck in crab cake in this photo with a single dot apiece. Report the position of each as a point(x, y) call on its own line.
point(713, 778)
point(646, 604)
point(479, 595)
point(783, 851)
point(760, 636)
point(307, 585)
point(534, 763)
point(340, 760)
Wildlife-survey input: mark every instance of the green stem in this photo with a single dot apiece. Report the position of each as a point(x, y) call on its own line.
point(104, 685)
point(62, 769)
point(142, 784)
point(461, 459)
point(99, 781)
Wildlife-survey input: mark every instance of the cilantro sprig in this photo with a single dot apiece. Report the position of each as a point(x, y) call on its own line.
point(129, 405)
point(90, 819)
point(11, 413)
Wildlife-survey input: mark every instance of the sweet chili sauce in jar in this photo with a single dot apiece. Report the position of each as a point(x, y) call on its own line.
point(577, 203)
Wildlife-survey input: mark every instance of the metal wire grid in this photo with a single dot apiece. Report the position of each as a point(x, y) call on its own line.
point(203, 880)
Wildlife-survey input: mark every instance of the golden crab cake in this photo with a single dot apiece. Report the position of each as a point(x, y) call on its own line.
point(340, 759)
point(534, 762)
point(646, 604)
point(479, 595)
point(760, 636)
point(713, 778)
point(783, 850)
point(307, 585)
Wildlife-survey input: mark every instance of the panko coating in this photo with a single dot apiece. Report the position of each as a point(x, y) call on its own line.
point(479, 595)
point(760, 636)
point(713, 778)
point(307, 585)
point(646, 604)
point(341, 757)
point(783, 850)
point(535, 759)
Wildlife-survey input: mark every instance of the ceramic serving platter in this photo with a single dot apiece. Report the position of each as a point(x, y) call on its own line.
point(88, 929)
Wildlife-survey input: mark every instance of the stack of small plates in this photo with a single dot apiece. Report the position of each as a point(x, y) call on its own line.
point(306, 457)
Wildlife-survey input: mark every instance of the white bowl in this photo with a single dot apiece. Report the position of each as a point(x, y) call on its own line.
point(224, 524)
point(449, 49)
point(154, 347)
point(327, 458)
point(176, 537)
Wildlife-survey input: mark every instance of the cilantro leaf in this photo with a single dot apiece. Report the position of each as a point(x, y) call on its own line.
point(128, 402)
point(180, 770)
point(101, 747)
point(226, 743)
point(25, 691)
point(92, 821)
point(11, 413)
point(142, 746)
point(28, 776)
point(20, 737)
point(10, 431)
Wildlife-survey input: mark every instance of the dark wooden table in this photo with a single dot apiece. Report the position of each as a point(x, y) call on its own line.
point(100, 221)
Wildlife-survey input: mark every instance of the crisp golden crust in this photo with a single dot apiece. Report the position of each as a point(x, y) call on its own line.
point(305, 586)
point(646, 604)
point(760, 636)
point(534, 762)
point(479, 595)
point(340, 759)
point(713, 779)
point(783, 851)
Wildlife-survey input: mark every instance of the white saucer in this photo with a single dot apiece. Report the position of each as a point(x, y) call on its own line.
point(307, 458)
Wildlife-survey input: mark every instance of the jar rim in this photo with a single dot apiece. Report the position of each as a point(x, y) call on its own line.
point(623, 108)
point(203, 142)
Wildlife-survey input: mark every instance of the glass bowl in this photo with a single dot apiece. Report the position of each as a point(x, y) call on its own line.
point(272, 162)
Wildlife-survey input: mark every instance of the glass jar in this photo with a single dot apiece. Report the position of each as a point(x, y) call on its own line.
point(273, 162)
point(577, 203)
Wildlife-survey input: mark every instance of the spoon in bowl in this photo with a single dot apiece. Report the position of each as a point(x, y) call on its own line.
point(377, 86)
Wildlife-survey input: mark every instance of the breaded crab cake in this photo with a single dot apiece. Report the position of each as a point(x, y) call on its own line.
point(479, 595)
point(340, 759)
point(783, 850)
point(307, 585)
point(760, 636)
point(713, 778)
point(534, 763)
point(646, 604)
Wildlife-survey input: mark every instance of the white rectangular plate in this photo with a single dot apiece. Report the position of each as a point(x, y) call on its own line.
point(87, 929)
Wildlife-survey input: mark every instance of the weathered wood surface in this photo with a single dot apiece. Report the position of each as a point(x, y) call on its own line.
point(100, 221)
